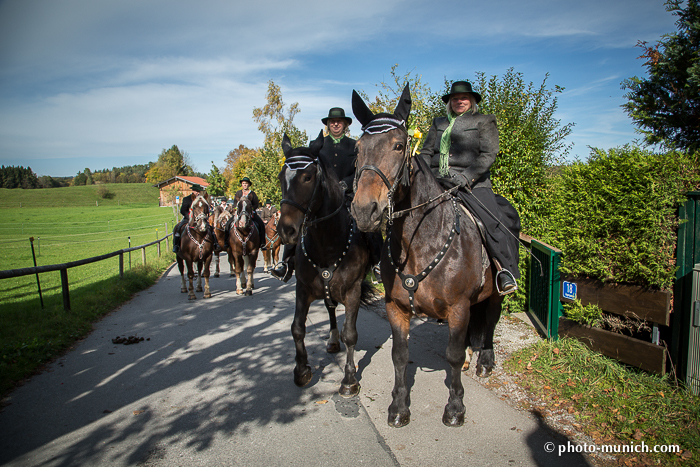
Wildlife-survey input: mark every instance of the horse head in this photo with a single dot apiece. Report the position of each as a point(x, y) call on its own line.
point(303, 181)
point(199, 215)
point(221, 217)
point(383, 158)
point(244, 213)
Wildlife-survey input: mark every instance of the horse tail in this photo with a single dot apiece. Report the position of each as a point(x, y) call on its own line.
point(369, 295)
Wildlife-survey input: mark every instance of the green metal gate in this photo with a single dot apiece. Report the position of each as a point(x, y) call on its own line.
point(685, 325)
point(544, 288)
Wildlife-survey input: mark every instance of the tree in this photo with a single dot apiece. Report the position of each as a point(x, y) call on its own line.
point(217, 182)
point(425, 104)
point(238, 164)
point(531, 140)
point(171, 162)
point(274, 120)
point(666, 106)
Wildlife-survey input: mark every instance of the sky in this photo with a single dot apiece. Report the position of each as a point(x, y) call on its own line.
point(98, 84)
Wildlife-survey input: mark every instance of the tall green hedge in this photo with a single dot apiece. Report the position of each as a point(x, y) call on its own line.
point(615, 216)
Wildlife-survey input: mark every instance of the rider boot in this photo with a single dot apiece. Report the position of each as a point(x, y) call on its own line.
point(215, 241)
point(176, 237)
point(260, 224)
point(505, 282)
point(285, 268)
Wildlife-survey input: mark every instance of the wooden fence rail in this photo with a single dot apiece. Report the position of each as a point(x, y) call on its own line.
point(63, 268)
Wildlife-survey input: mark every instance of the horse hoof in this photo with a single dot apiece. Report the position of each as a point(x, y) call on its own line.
point(303, 379)
point(248, 292)
point(207, 295)
point(198, 289)
point(183, 290)
point(483, 371)
point(350, 390)
point(453, 420)
point(216, 274)
point(399, 420)
point(239, 291)
point(333, 347)
point(192, 297)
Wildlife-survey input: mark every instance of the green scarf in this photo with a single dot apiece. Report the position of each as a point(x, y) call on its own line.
point(336, 140)
point(445, 142)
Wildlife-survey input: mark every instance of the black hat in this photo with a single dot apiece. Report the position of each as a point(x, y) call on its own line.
point(268, 201)
point(461, 87)
point(196, 187)
point(246, 179)
point(336, 112)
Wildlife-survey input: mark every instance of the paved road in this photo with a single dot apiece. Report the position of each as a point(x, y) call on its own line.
point(212, 385)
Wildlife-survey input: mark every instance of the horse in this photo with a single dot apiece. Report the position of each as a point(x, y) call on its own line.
point(433, 261)
point(244, 245)
point(219, 220)
point(272, 243)
point(332, 259)
point(196, 246)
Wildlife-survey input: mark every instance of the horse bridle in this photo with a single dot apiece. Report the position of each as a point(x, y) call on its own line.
point(307, 210)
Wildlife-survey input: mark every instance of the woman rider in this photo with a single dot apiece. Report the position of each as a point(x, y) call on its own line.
point(460, 150)
point(338, 154)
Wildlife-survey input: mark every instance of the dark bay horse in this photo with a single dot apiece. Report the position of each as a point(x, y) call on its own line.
point(244, 243)
point(332, 259)
point(273, 242)
point(433, 261)
point(219, 221)
point(196, 247)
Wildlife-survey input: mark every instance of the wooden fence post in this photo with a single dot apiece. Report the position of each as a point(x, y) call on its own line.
point(143, 255)
point(64, 288)
point(121, 265)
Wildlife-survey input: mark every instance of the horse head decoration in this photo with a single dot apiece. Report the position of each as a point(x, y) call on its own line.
point(433, 261)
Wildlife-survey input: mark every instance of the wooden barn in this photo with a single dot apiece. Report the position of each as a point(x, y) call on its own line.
point(178, 186)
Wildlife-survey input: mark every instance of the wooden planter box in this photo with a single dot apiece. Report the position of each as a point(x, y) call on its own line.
point(623, 300)
point(645, 355)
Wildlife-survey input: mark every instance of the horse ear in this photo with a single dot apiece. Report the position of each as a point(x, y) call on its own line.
point(317, 144)
point(360, 109)
point(403, 108)
point(286, 144)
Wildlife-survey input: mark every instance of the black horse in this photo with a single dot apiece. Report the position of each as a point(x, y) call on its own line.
point(433, 262)
point(332, 258)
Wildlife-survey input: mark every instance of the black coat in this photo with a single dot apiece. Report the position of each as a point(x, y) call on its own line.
point(252, 197)
point(473, 150)
point(340, 158)
point(186, 205)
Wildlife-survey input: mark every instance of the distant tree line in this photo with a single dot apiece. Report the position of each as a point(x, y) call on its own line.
point(126, 174)
point(20, 177)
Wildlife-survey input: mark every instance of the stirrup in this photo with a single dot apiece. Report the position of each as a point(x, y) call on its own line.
point(510, 285)
point(285, 275)
point(377, 274)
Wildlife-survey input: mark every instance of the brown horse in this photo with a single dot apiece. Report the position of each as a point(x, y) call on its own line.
point(272, 242)
point(196, 246)
point(332, 259)
point(433, 262)
point(219, 220)
point(244, 243)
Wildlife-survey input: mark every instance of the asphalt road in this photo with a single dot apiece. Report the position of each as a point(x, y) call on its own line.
point(211, 384)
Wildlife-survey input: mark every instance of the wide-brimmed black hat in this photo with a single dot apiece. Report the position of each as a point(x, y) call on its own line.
point(268, 201)
point(459, 87)
point(196, 187)
point(246, 179)
point(336, 112)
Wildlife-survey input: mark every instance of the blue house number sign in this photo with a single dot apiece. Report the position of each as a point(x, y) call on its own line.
point(569, 290)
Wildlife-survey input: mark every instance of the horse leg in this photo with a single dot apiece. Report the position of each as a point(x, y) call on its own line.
point(350, 386)
point(190, 277)
point(239, 274)
point(333, 345)
point(199, 276)
point(266, 259)
point(482, 325)
point(181, 267)
point(249, 274)
point(456, 351)
point(399, 414)
point(207, 263)
point(216, 261)
point(302, 371)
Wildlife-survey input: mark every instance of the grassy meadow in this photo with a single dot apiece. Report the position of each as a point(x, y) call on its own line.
point(70, 224)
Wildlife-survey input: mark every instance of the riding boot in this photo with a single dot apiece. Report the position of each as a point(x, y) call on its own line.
point(505, 282)
point(260, 224)
point(285, 268)
point(215, 241)
point(176, 243)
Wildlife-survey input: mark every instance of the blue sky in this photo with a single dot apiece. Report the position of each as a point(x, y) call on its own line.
point(99, 84)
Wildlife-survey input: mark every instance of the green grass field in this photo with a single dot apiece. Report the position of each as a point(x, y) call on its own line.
point(68, 225)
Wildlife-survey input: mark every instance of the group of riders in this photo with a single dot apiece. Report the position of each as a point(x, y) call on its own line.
point(455, 157)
